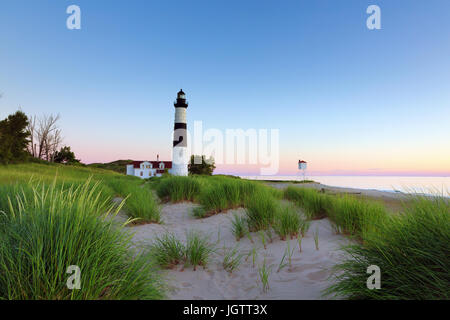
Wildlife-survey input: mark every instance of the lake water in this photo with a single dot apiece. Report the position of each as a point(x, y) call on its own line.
point(382, 183)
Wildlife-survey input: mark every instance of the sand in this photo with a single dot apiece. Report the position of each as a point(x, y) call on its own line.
point(305, 279)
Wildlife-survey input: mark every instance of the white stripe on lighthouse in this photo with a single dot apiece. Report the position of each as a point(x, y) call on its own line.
point(180, 115)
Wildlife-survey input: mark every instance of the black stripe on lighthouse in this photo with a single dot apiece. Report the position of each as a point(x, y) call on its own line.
point(180, 126)
point(180, 134)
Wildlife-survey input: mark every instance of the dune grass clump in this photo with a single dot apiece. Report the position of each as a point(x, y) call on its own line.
point(51, 227)
point(177, 189)
point(140, 204)
point(287, 223)
point(260, 211)
point(316, 204)
point(225, 193)
point(238, 226)
point(198, 249)
point(232, 259)
point(304, 227)
point(264, 272)
point(199, 212)
point(412, 251)
point(168, 251)
point(355, 216)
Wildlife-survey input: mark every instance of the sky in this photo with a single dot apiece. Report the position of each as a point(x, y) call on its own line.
point(348, 100)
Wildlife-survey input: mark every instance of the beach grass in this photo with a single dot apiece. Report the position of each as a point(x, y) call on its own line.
point(49, 227)
point(315, 204)
point(198, 249)
point(225, 193)
point(260, 211)
point(356, 216)
point(287, 222)
point(176, 189)
point(232, 259)
point(238, 226)
point(168, 251)
point(412, 250)
point(264, 272)
point(140, 204)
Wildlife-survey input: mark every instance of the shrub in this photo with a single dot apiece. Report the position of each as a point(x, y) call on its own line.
point(43, 234)
point(412, 250)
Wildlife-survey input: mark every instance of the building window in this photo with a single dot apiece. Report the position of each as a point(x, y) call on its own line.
point(142, 173)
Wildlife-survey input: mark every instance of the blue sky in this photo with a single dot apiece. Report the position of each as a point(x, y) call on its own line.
point(347, 99)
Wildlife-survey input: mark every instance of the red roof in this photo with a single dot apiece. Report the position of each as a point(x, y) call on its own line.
point(301, 161)
point(155, 164)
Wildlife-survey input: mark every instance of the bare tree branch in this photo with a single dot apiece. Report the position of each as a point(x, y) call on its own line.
point(45, 136)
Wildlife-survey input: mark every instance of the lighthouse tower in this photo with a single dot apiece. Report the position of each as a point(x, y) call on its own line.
point(180, 158)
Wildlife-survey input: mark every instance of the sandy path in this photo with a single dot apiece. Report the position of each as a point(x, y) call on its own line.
point(304, 280)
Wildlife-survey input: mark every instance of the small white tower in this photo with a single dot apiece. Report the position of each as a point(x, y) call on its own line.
point(180, 157)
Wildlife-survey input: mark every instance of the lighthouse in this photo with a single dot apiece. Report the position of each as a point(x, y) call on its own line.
point(180, 158)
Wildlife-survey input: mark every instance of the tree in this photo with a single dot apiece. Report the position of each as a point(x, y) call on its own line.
point(199, 165)
point(65, 155)
point(14, 138)
point(45, 137)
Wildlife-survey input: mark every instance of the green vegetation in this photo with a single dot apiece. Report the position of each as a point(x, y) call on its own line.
point(119, 166)
point(264, 273)
point(412, 250)
point(287, 223)
point(225, 193)
point(315, 204)
point(355, 216)
point(232, 259)
point(178, 188)
point(261, 211)
point(169, 251)
point(201, 166)
point(14, 138)
point(316, 238)
point(47, 228)
point(238, 226)
point(140, 203)
point(53, 216)
point(198, 249)
point(66, 156)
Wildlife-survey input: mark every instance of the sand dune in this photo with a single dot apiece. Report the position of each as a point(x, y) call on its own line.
point(305, 279)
